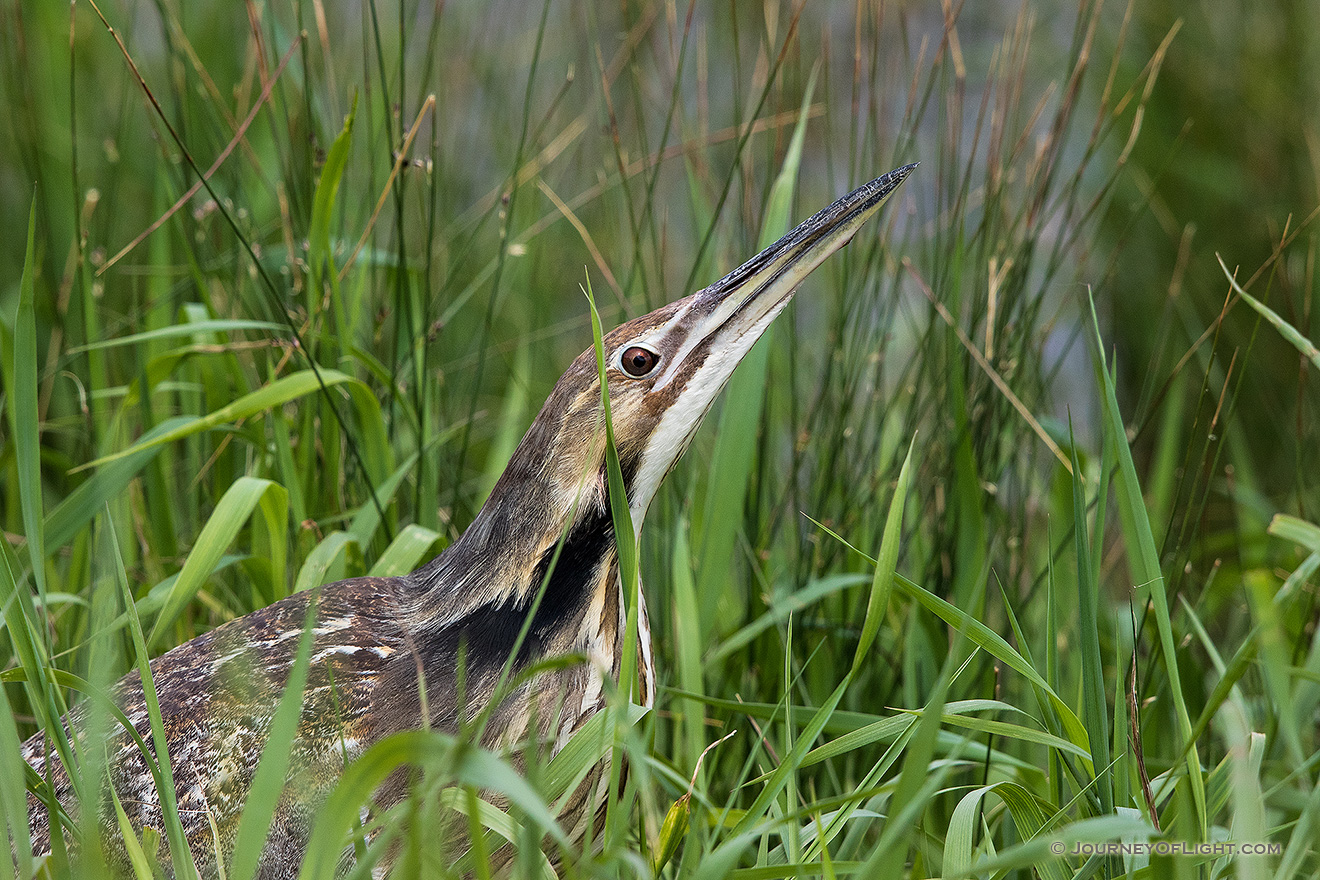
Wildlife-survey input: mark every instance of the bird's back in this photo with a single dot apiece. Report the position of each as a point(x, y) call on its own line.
point(218, 695)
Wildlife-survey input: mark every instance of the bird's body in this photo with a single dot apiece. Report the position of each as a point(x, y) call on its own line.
point(543, 546)
point(219, 692)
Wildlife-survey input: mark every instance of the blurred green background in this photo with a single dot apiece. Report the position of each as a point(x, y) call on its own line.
point(1226, 155)
point(1067, 150)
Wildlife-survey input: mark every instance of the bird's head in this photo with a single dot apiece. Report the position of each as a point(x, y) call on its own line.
point(665, 369)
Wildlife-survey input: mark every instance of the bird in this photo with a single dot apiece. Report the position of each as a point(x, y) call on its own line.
point(536, 572)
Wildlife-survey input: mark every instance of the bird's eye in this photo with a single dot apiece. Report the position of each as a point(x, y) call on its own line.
point(638, 361)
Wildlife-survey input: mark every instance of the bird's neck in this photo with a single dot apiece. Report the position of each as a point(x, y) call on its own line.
point(526, 539)
point(529, 555)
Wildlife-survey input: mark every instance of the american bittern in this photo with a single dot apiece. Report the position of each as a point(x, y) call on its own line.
point(373, 636)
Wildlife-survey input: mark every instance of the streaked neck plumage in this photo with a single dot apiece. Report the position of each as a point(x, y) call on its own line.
point(664, 371)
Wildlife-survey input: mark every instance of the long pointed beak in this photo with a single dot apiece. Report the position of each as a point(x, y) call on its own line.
point(701, 339)
point(749, 297)
point(723, 321)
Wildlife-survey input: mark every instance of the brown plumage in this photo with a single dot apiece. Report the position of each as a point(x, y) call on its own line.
point(218, 693)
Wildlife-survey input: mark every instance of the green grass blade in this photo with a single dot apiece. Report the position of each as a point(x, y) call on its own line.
point(886, 560)
point(625, 535)
point(233, 510)
point(787, 604)
point(1094, 708)
point(190, 329)
point(989, 640)
point(29, 649)
point(985, 638)
point(320, 255)
point(1144, 562)
point(581, 753)
point(1044, 849)
point(1028, 817)
point(409, 549)
point(90, 497)
point(272, 770)
point(960, 838)
point(13, 799)
point(740, 416)
point(24, 418)
point(137, 857)
point(1301, 843)
point(1274, 664)
point(328, 558)
point(1246, 748)
point(463, 763)
point(1294, 336)
point(1004, 730)
point(367, 519)
point(688, 643)
point(1299, 531)
point(512, 421)
point(266, 566)
point(180, 855)
point(275, 394)
point(914, 785)
point(625, 540)
point(465, 802)
point(790, 762)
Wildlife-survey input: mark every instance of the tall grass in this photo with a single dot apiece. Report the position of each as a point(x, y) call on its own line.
point(933, 593)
